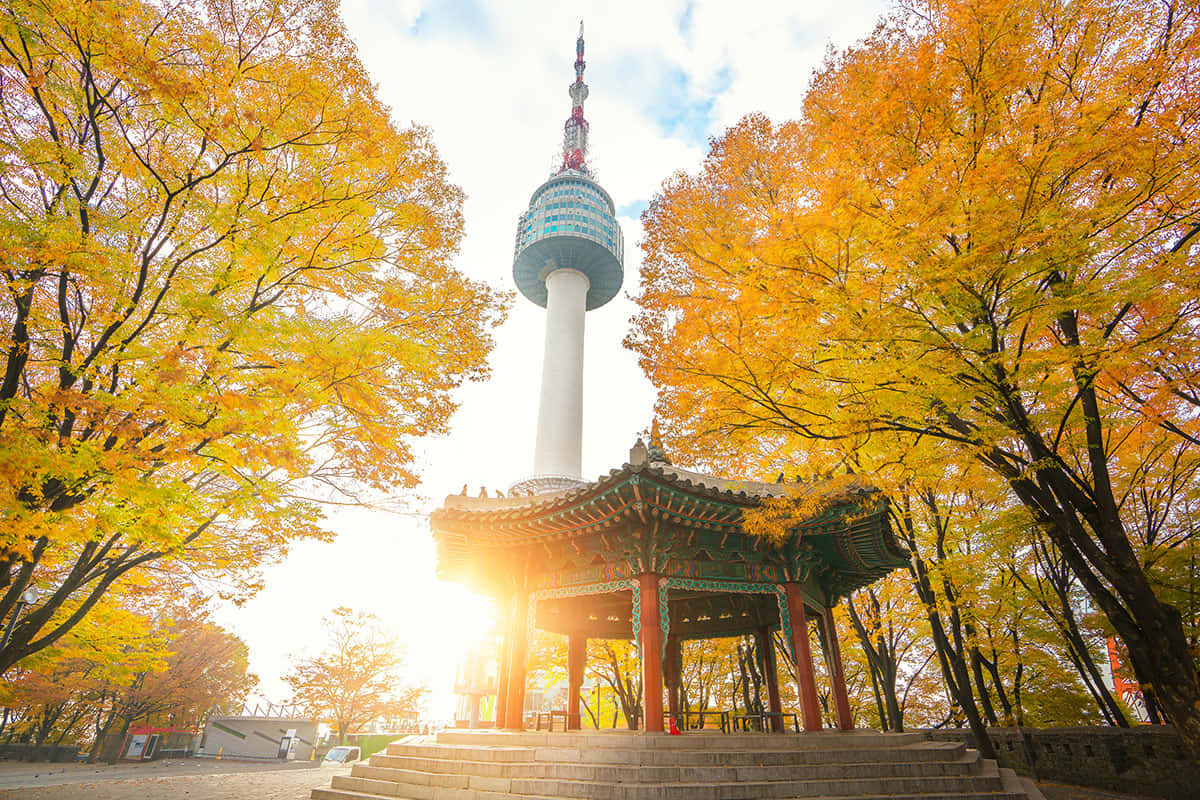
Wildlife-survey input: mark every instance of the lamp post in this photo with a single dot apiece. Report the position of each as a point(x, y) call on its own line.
point(28, 598)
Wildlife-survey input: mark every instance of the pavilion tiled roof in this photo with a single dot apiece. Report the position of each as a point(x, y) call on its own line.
point(742, 493)
point(852, 530)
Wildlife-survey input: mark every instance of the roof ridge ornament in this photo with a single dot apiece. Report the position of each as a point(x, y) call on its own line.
point(656, 453)
point(638, 455)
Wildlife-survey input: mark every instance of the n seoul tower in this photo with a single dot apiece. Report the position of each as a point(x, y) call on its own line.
point(568, 259)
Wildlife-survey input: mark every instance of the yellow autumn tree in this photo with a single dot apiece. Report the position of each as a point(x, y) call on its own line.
point(358, 678)
point(63, 690)
point(204, 666)
point(228, 291)
point(977, 242)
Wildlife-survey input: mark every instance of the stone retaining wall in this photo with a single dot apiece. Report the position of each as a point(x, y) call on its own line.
point(47, 752)
point(1146, 760)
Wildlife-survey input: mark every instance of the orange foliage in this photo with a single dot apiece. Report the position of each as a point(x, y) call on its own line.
point(228, 291)
point(976, 246)
point(357, 678)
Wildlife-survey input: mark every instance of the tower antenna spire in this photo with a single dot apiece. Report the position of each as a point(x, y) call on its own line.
point(575, 132)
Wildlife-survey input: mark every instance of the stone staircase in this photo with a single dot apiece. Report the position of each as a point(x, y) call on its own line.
point(612, 765)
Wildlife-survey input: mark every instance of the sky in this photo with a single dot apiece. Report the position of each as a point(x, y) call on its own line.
point(490, 79)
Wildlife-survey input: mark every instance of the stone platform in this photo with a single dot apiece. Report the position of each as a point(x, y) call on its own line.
point(613, 765)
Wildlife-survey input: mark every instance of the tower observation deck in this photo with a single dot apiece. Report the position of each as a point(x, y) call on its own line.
point(568, 259)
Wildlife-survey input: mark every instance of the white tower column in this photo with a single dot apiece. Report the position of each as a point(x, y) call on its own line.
point(560, 413)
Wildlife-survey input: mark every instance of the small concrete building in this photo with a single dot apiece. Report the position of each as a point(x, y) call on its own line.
point(260, 737)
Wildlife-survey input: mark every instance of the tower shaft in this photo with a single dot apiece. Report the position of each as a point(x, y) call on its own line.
point(560, 413)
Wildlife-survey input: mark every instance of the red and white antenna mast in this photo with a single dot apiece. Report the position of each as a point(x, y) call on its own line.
point(575, 132)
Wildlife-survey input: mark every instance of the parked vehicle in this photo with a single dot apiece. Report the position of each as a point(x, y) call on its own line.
point(342, 754)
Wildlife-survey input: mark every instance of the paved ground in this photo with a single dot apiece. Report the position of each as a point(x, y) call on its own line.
point(238, 780)
point(164, 780)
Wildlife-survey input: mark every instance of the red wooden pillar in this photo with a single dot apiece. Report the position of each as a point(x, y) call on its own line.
point(810, 710)
point(651, 641)
point(837, 676)
point(576, 661)
point(671, 673)
point(766, 647)
point(514, 710)
point(504, 656)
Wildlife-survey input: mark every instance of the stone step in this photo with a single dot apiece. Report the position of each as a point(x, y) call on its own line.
point(346, 794)
point(921, 751)
point(694, 767)
point(1001, 795)
point(468, 794)
point(474, 753)
point(721, 787)
point(435, 794)
point(741, 757)
point(461, 794)
point(364, 789)
point(401, 768)
point(760, 790)
point(563, 790)
point(695, 740)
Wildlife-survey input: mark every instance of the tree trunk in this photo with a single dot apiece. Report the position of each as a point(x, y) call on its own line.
point(1060, 579)
point(594, 717)
point(1151, 629)
point(985, 699)
point(49, 716)
point(953, 664)
point(881, 663)
point(116, 756)
point(889, 668)
point(892, 701)
point(101, 732)
point(754, 663)
point(745, 680)
point(994, 671)
point(883, 719)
